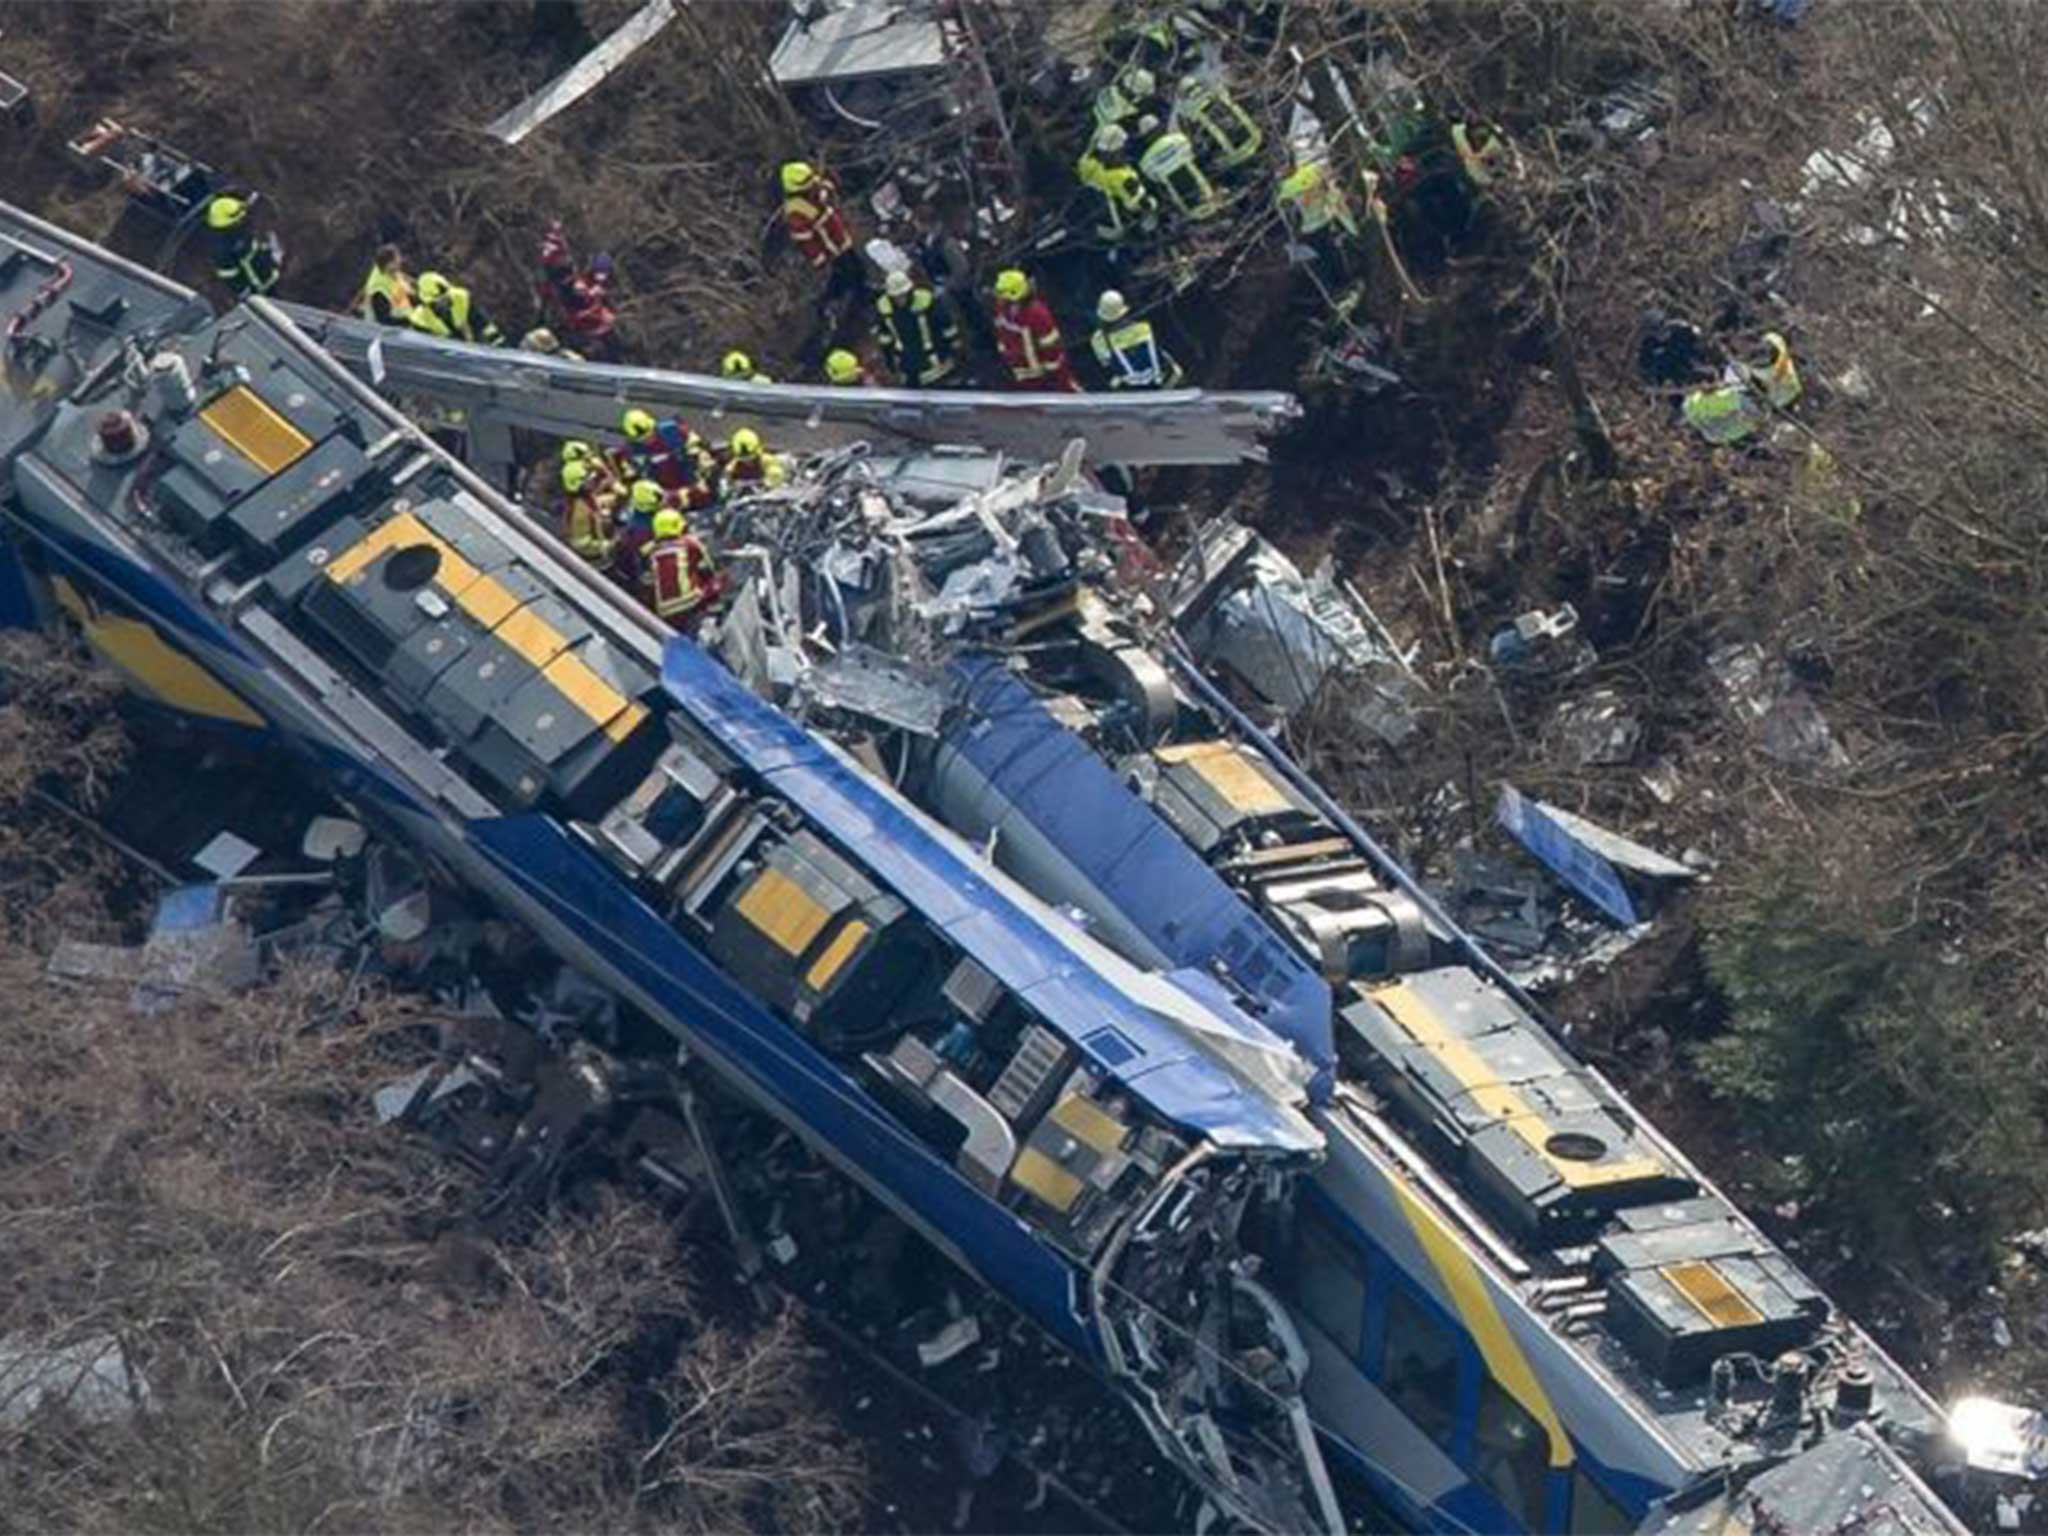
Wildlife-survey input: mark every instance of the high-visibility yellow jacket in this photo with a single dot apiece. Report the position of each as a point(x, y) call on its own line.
point(386, 297)
point(456, 316)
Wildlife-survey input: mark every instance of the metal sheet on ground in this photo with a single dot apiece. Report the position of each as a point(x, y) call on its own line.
point(586, 74)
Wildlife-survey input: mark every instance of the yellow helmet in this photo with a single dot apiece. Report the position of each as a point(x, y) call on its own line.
point(647, 496)
point(796, 176)
point(226, 212)
point(841, 366)
point(736, 365)
point(575, 449)
point(668, 523)
point(1012, 284)
point(433, 287)
point(638, 425)
point(575, 475)
point(745, 443)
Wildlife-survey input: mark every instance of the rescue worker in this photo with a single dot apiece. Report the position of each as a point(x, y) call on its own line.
point(810, 210)
point(1484, 153)
point(386, 294)
point(748, 463)
point(1128, 207)
point(587, 507)
point(677, 578)
point(544, 341)
point(665, 451)
point(634, 531)
point(1028, 337)
point(1735, 409)
point(1314, 208)
point(581, 301)
point(737, 365)
point(247, 265)
point(1169, 163)
point(1128, 350)
point(1225, 135)
point(916, 332)
point(1779, 377)
point(845, 369)
point(442, 308)
point(1131, 102)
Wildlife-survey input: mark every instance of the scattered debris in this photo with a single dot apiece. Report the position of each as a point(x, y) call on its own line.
point(1763, 694)
point(1245, 608)
point(92, 1380)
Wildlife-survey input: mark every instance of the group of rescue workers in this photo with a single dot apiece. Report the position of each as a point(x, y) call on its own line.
point(1168, 149)
point(626, 507)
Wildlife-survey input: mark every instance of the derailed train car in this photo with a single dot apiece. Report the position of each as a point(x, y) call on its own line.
point(1247, 1124)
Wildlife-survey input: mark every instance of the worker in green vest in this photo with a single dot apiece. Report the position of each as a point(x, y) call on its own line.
point(1169, 163)
point(441, 308)
point(1223, 132)
point(1128, 210)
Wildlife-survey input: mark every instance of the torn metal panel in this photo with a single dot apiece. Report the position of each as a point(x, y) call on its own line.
point(859, 41)
point(1619, 851)
point(1245, 607)
point(1582, 868)
point(559, 398)
point(586, 74)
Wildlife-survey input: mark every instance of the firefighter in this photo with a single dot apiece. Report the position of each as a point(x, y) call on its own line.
point(917, 334)
point(633, 528)
point(1128, 207)
point(1224, 132)
point(1317, 214)
point(665, 451)
point(677, 578)
point(589, 500)
point(1484, 153)
point(1028, 337)
point(846, 370)
point(1169, 163)
point(247, 265)
point(747, 463)
point(581, 300)
point(810, 210)
point(739, 367)
point(442, 308)
point(1128, 350)
point(1131, 102)
point(386, 294)
point(544, 341)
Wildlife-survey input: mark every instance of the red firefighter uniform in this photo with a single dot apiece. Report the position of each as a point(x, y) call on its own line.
point(810, 208)
point(1029, 338)
point(677, 578)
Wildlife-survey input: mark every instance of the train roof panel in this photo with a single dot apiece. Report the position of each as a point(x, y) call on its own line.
point(1132, 1025)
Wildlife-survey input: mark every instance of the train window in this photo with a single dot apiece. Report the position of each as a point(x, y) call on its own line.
point(1511, 1454)
point(1421, 1369)
point(1595, 1512)
point(1330, 1276)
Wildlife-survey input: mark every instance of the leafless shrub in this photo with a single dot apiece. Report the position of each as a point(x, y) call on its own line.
point(206, 1188)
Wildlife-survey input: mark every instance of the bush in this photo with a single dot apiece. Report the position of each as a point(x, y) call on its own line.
point(1910, 1105)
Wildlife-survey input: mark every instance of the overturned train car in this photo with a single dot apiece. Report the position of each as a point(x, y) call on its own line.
point(1260, 1136)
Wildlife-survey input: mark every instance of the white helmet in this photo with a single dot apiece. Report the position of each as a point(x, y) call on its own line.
point(1139, 82)
point(1110, 139)
point(897, 284)
point(1111, 307)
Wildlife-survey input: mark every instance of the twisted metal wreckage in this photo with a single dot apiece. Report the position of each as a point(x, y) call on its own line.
point(957, 847)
